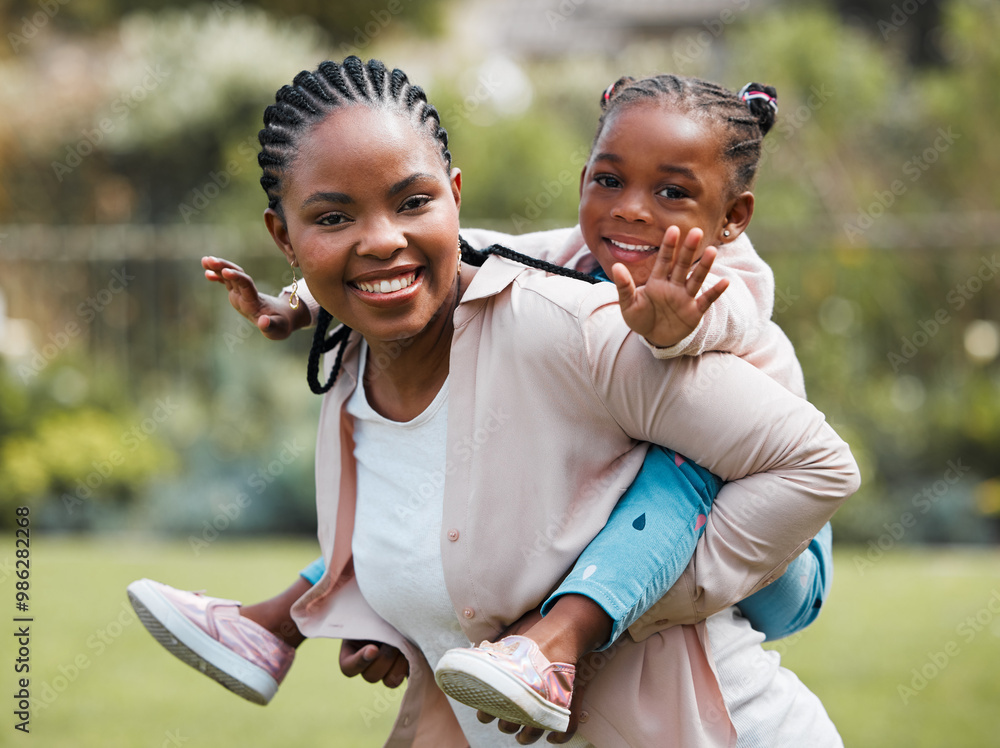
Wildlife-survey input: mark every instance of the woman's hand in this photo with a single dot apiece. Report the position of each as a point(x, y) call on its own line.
point(272, 316)
point(668, 309)
point(374, 662)
point(529, 735)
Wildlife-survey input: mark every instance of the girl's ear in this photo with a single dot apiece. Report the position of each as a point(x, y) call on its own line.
point(456, 186)
point(738, 216)
point(279, 232)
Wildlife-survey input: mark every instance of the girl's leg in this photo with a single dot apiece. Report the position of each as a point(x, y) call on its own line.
point(792, 602)
point(247, 649)
point(647, 543)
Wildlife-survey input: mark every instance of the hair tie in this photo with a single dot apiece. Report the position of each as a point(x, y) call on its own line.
point(746, 96)
point(609, 91)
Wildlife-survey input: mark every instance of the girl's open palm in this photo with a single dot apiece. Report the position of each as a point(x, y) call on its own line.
point(273, 316)
point(668, 308)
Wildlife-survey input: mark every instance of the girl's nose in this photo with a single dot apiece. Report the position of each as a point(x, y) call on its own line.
point(633, 207)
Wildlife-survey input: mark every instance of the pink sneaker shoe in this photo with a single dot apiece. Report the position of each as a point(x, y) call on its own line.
point(209, 634)
point(510, 679)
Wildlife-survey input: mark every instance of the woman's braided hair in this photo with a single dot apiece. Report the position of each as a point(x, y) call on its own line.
point(744, 118)
point(310, 98)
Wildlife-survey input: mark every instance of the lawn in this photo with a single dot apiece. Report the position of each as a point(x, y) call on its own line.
point(906, 653)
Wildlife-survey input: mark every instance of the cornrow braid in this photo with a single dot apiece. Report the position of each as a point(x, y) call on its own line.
point(313, 95)
point(743, 118)
point(323, 344)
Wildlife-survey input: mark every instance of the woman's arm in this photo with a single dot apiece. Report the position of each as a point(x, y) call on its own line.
point(787, 470)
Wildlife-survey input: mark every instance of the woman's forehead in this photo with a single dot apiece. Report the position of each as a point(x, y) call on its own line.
point(363, 144)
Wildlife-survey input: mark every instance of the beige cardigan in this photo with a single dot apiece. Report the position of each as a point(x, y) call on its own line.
point(550, 400)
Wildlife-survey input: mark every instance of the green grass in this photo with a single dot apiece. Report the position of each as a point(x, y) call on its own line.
point(111, 685)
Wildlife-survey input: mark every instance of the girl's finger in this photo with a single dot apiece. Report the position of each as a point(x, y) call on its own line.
point(708, 298)
point(700, 271)
point(624, 283)
point(684, 258)
point(665, 257)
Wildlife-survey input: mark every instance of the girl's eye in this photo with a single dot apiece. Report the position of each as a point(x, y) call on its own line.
point(414, 202)
point(672, 193)
point(332, 219)
point(608, 181)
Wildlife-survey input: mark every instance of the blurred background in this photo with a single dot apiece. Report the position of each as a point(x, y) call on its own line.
point(151, 430)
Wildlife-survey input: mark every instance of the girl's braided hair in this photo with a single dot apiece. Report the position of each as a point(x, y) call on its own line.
point(310, 98)
point(743, 118)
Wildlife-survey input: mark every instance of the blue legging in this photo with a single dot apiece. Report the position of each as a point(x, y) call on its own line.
point(649, 540)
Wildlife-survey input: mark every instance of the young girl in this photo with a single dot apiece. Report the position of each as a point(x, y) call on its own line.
point(712, 394)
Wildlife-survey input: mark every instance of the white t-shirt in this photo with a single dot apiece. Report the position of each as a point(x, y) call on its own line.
point(397, 535)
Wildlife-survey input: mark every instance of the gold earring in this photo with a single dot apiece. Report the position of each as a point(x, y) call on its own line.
point(459, 258)
point(293, 300)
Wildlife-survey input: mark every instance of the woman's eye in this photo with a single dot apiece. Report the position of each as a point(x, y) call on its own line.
point(672, 193)
point(606, 180)
point(417, 201)
point(332, 219)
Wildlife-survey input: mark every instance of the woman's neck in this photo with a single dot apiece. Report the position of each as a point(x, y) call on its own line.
point(402, 377)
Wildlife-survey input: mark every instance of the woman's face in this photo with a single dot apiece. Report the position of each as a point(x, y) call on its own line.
point(371, 218)
point(652, 168)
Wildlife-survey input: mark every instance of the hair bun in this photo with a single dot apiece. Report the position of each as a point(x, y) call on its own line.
point(611, 91)
point(762, 101)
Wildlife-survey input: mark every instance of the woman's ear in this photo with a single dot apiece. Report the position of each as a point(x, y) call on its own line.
point(738, 216)
point(456, 186)
point(279, 232)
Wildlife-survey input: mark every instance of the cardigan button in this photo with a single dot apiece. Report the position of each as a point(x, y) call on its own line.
point(453, 535)
point(584, 716)
point(469, 613)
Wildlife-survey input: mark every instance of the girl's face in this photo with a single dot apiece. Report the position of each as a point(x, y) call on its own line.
point(652, 168)
point(371, 217)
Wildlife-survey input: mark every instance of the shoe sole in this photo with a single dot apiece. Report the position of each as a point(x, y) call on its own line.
point(188, 643)
point(477, 683)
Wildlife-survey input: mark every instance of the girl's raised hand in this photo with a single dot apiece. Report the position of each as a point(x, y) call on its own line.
point(668, 308)
point(273, 316)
